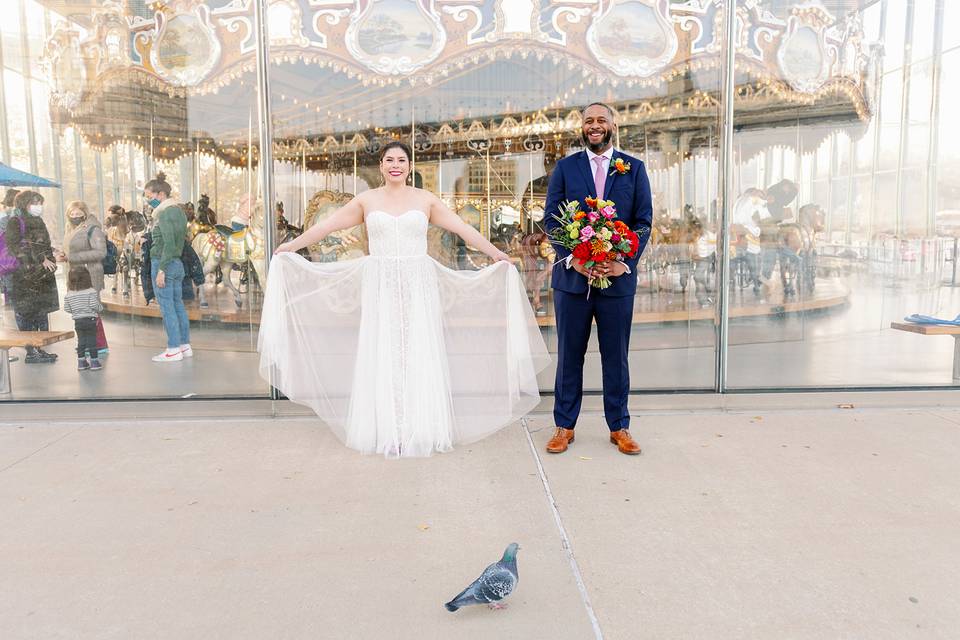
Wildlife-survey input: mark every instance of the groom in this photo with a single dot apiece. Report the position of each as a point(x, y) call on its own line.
point(594, 172)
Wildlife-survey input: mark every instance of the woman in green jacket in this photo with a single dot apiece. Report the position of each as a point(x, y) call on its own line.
point(168, 235)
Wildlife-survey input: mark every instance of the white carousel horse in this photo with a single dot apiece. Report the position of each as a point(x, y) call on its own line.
point(222, 247)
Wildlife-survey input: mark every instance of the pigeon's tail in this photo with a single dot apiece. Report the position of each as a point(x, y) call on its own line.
point(450, 606)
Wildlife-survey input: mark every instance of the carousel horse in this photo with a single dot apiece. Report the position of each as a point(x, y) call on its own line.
point(222, 248)
point(339, 245)
point(798, 250)
point(673, 246)
point(128, 251)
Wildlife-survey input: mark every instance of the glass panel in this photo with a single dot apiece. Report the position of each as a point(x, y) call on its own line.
point(490, 108)
point(848, 250)
point(105, 122)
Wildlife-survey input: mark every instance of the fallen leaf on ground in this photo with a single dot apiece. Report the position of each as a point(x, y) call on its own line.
point(845, 405)
point(423, 527)
point(585, 458)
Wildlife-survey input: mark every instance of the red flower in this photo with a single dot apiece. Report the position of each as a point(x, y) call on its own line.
point(634, 240)
point(600, 256)
point(582, 251)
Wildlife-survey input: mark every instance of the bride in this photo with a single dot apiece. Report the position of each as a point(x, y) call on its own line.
point(400, 355)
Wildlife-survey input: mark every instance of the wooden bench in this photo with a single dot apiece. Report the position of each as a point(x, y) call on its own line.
point(10, 339)
point(936, 330)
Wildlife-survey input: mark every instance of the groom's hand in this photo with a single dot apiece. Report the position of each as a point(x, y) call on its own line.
point(581, 269)
point(610, 268)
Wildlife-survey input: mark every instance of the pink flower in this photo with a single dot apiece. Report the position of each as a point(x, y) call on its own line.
point(592, 217)
point(586, 233)
point(608, 212)
point(615, 238)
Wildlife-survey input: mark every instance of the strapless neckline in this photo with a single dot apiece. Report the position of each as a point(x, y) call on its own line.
point(398, 215)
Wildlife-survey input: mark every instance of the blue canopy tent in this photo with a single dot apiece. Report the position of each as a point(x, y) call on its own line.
point(10, 177)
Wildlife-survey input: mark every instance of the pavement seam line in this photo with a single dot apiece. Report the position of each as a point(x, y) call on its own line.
point(35, 452)
point(564, 538)
point(942, 417)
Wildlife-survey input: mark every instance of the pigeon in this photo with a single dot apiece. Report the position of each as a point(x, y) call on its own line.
point(495, 583)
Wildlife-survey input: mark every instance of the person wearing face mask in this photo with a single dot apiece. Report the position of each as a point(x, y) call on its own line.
point(34, 283)
point(85, 245)
point(168, 237)
point(84, 242)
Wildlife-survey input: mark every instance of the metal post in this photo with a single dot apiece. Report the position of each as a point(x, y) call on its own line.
point(956, 358)
point(266, 138)
point(904, 115)
point(851, 161)
point(4, 371)
point(722, 321)
point(933, 149)
point(196, 171)
point(4, 126)
point(78, 157)
point(134, 194)
point(115, 166)
point(27, 90)
point(98, 163)
point(831, 171)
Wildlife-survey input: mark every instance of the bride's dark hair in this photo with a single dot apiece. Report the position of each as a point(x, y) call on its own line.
point(396, 144)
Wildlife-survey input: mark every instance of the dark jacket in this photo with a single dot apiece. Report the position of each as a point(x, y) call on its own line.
point(34, 288)
point(572, 179)
point(192, 267)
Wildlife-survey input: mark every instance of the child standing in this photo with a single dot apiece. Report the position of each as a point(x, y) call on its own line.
point(82, 302)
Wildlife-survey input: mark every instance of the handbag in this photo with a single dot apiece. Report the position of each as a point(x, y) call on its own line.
point(109, 261)
point(101, 335)
point(8, 261)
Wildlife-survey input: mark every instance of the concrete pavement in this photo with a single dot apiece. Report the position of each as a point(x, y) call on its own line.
point(732, 524)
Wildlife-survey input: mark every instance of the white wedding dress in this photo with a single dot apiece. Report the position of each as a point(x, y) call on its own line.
point(400, 355)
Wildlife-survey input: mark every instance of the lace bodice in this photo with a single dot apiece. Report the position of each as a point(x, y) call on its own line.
point(400, 236)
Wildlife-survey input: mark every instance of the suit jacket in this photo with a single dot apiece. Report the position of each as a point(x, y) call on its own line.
point(572, 179)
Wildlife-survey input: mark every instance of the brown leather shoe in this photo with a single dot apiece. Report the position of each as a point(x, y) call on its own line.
point(560, 440)
point(625, 442)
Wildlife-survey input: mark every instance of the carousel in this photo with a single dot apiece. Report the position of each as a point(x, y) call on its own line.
point(488, 95)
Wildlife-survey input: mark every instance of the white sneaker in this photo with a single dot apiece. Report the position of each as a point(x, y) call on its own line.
point(166, 356)
point(186, 350)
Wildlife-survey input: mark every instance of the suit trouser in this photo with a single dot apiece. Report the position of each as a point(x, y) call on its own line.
point(575, 313)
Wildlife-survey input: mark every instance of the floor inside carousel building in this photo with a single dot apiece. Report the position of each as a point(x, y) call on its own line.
point(846, 343)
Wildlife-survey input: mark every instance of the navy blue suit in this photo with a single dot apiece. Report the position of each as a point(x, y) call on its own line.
point(612, 308)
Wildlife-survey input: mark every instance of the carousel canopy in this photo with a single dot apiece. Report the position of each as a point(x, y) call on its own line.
point(179, 76)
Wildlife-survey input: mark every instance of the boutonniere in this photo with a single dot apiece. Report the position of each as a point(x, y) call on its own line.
point(619, 166)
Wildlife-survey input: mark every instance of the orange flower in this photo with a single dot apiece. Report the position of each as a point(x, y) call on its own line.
point(591, 202)
point(619, 166)
point(620, 226)
point(579, 215)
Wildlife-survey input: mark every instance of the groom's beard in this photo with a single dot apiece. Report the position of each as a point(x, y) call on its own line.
point(600, 146)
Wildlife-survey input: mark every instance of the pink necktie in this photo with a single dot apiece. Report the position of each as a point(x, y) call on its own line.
point(600, 175)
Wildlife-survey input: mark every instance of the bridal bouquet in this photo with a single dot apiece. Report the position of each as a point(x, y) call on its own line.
point(594, 236)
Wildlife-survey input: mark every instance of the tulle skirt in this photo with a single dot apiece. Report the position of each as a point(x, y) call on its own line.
point(401, 356)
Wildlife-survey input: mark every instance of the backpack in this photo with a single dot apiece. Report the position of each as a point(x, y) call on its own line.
point(110, 260)
point(8, 262)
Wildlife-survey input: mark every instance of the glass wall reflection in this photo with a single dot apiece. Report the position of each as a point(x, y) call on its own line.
point(101, 98)
point(488, 117)
point(842, 224)
point(844, 218)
